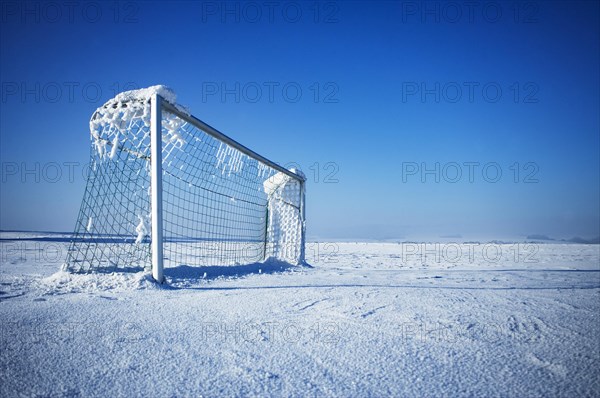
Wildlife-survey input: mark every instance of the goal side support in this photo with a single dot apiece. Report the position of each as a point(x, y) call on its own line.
point(302, 258)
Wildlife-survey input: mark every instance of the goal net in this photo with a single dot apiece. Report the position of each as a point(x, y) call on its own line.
point(212, 201)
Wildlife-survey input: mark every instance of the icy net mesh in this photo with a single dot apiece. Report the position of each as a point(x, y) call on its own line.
point(220, 206)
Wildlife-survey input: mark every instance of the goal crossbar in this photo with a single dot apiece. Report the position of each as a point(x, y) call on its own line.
point(228, 140)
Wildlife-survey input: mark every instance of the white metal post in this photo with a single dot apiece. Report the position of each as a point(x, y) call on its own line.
point(303, 221)
point(156, 187)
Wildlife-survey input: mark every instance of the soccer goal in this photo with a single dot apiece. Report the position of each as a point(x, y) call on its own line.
point(165, 189)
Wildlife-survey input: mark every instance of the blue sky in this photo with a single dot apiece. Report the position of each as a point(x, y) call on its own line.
point(387, 90)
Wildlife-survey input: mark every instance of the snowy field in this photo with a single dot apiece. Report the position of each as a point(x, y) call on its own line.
point(369, 319)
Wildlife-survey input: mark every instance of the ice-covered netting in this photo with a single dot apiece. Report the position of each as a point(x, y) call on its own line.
point(220, 206)
point(284, 224)
point(114, 224)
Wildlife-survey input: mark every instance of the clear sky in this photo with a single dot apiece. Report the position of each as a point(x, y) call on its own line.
point(401, 114)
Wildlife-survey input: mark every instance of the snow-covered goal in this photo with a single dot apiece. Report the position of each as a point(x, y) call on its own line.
point(166, 189)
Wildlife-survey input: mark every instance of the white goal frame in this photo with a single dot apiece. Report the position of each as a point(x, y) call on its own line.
point(136, 129)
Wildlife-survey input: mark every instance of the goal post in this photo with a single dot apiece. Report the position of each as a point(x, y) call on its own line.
point(167, 190)
point(156, 186)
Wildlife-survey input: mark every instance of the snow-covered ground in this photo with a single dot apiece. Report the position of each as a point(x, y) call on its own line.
point(370, 319)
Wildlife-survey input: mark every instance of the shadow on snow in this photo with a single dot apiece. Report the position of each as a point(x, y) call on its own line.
point(189, 273)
